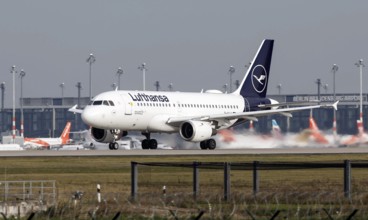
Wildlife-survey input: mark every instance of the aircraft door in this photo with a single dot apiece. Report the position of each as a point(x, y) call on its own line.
point(128, 106)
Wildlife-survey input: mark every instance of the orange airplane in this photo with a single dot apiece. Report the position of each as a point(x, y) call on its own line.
point(47, 143)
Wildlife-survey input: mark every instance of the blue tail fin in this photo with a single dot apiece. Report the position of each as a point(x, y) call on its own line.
point(255, 81)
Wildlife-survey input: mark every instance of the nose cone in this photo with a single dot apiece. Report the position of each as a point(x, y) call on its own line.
point(92, 117)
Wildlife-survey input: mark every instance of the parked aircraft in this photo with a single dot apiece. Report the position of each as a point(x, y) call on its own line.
point(47, 143)
point(195, 116)
point(355, 140)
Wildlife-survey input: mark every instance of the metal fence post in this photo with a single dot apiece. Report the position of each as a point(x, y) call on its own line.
point(195, 179)
point(227, 181)
point(347, 178)
point(255, 177)
point(134, 179)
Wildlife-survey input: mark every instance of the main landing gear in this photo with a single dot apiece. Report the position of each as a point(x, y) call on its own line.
point(148, 143)
point(208, 144)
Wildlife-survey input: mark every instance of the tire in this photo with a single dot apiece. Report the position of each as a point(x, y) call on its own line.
point(110, 146)
point(202, 144)
point(145, 144)
point(211, 144)
point(152, 144)
point(115, 146)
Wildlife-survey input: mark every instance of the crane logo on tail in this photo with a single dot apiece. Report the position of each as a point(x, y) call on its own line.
point(259, 78)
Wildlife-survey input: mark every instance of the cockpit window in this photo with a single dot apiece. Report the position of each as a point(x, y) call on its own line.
point(97, 103)
point(102, 102)
point(90, 102)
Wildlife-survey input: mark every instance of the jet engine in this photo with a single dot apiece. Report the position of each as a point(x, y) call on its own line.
point(106, 136)
point(196, 131)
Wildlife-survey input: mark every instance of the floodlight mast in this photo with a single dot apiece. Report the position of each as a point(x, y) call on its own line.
point(143, 69)
point(91, 59)
point(334, 125)
point(157, 85)
point(279, 88)
point(170, 87)
point(13, 72)
point(325, 87)
point(361, 65)
point(2, 86)
point(225, 87)
point(113, 86)
point(119, 73)
point(231, 72)
point(21, 75)
point(62, 85)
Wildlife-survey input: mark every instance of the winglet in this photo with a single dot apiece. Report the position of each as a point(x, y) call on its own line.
point(335, 105)
point(75, 110)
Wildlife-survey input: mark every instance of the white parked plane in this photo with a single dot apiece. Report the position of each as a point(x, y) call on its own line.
point(196, 116)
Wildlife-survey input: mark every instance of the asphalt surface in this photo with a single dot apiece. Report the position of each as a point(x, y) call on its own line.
point(274, 151)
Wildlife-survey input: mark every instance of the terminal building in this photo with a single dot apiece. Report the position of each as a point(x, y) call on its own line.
point(46, 117)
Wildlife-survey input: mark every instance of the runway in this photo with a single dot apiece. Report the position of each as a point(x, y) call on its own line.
point(137, 153)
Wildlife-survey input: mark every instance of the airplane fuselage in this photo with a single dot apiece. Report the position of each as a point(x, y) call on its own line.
point(149, 111)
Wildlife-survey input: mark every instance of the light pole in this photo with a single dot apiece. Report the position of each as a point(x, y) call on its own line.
point(62, 85)
point(79, 87)
point(237, 83)
point(91, 59)
point(21, 75)
point(143, 68)
point(334, 125)
point(119, 73)
point(13, 71)
point(279, 88)
point(361, 65)
point(325, 87)
point(113, 86)
point(225, 88)
point(157, 85)
point(318, 82)
point(2, 86)
point(170, 87)
point(231, 72)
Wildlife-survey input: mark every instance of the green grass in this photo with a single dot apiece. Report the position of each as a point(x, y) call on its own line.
point(306, 190)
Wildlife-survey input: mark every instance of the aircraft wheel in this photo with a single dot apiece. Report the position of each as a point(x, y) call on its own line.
point(110, 146)
point(145, 144)
point(115, 146)
point(152, 144)
point(202, 144)
point(211, 144)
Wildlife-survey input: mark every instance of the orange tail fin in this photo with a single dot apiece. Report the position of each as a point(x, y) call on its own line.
point(65, 135)
point(316, 134)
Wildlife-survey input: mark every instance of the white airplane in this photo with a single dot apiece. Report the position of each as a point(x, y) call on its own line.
point(47, 143)
point(196, 116)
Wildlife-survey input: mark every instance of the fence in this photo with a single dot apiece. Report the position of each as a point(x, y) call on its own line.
point(256, 167)
point(15, 191)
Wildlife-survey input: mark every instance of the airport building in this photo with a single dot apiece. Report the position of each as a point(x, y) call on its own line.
point(46, 117)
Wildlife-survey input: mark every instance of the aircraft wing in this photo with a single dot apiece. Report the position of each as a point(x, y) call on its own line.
point(247, 115)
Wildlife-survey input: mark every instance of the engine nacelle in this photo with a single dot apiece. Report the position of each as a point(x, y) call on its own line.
point(106, 136)
point(196, 131)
